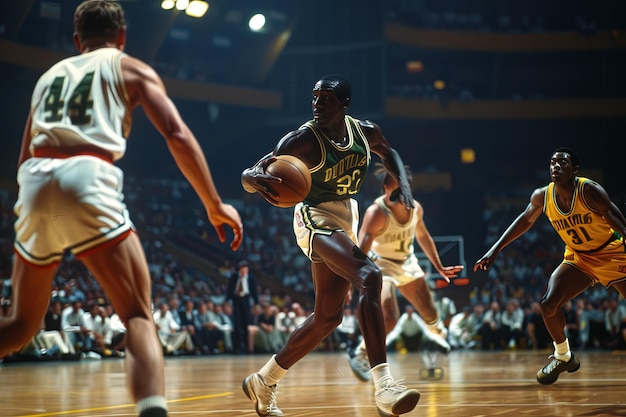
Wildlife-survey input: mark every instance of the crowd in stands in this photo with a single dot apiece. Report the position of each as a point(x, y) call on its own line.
point(508, 17)
point(193, 316)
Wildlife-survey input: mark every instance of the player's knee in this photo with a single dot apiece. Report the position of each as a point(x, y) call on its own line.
point(333, 321)
point(327, 321)
point(372, 283)
point(370, 277)
point(548, 307)
point(358, 253)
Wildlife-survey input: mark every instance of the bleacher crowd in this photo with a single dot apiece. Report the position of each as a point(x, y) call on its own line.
point(193, 315)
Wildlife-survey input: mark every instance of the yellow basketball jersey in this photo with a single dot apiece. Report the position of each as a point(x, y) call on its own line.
point(581, 229)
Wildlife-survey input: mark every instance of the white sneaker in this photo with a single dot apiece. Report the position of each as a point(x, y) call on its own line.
point(264, 396)
point(395, 399)
point(433, 339)
point(360, 365)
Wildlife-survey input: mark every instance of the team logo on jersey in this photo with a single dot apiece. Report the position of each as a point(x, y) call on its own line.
point(345, 164)
point(299, 221)
point(621, 269)
point(569, 257)
point(571, 221)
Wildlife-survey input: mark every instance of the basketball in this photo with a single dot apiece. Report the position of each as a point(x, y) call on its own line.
point(296, 180)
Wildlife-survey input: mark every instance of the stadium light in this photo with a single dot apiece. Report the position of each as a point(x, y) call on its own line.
point(182, 4)
point(193, 8)
point(256, 22)
point(197, 8)
point(168, 4)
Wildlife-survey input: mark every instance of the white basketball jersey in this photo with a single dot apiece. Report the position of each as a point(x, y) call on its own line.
point(396, 241)
point(82, 101)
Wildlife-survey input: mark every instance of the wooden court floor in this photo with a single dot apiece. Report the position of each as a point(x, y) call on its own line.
point(474, 383)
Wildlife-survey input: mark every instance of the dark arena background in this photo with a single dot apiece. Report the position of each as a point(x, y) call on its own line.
point(474, 94)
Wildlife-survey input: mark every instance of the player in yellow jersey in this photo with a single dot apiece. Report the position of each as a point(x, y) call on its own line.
point(592, 228)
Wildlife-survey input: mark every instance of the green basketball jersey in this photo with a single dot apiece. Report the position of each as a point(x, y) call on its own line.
point(342, 169)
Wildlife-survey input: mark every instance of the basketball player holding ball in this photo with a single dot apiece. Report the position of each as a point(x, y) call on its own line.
point(336, 148)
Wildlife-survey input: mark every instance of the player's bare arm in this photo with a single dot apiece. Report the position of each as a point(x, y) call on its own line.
point(145, 88)
point(598, 200)
point(373, 225)
point(426, 242)
point(618, 213)
point(390, 159)
point(520, 225)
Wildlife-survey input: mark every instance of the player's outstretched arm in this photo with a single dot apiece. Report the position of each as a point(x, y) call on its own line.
point(426, 242)
point(145, 88)
point(520, 225)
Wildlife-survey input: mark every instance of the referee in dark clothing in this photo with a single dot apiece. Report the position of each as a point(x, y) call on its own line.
point(243, 293)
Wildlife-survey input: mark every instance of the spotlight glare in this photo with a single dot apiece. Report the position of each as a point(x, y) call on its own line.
point(256, 22)
point(182, 4)
point(167, 4)
point(197, 8)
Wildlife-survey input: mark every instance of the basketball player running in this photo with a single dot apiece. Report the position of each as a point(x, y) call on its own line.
point(593, 230)
point(336, 149)
point(387, 234)
point(70, 192)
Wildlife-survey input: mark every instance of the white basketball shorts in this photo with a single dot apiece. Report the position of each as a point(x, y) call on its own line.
point(399, 272)
point(73, 204)
point(324, 218)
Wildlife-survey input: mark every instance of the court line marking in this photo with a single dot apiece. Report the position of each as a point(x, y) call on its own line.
point(113, 407)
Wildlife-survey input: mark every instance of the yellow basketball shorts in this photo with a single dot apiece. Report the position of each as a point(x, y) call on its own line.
point(606, 266)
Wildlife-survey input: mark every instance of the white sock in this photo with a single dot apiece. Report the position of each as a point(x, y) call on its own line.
point(381, 375)
point(272, 372)
point(361, 349)
point(151, 402)
point(561, 351)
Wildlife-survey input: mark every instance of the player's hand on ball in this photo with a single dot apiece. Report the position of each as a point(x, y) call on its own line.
point(256, 179)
